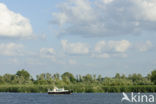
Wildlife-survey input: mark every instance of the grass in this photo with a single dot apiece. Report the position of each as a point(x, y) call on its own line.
point(75, 88)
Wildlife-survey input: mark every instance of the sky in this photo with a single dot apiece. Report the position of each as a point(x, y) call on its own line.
point(78, 36)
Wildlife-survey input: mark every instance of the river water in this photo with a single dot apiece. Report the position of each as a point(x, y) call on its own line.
point(76, 98)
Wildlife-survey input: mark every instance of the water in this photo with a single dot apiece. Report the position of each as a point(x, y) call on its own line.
point(79, 98)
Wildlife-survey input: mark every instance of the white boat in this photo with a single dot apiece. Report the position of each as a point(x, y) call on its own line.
point(59, 91)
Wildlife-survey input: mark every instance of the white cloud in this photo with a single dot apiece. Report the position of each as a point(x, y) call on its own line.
point(143, 47)
point(75, 48)
point(107, 1)
point(104, 49)
point(78, 9)
point(116, 46)
point(119, 46)
point(11, 49)
point(61, 18)
point(100, 46)
point(13, 24)
point(48, 53)
point(147, 9)
point(105, 17)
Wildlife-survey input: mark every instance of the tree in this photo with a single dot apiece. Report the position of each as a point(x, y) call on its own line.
point(23, 73)
point(1, 80)
point(56, 77)
point(123, 76)
point(8, 78)
point(68, 75)
point(94, 77)
point(153, 77)
point(99, 78)
point(117, 76)
point(88, 78)
point(135, 77)
point(80, 78)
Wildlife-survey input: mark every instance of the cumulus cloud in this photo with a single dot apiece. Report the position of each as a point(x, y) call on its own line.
point(119, 46)
point(111, 48)
point(107, 1)
point(75, 48)
point(100, 46)
point(116, 46)
point(147, 9)
point(13, 24)
point(102, 49)
point(105, 17)
point(11, 49)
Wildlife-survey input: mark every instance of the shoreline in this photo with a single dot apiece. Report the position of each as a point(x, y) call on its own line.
point(78, 89)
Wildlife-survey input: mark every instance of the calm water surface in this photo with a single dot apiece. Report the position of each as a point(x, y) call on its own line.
point(77, 98)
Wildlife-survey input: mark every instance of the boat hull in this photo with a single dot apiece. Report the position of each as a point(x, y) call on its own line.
point(65, 92)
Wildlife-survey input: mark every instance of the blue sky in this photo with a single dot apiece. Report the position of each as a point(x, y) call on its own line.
point(79, 36)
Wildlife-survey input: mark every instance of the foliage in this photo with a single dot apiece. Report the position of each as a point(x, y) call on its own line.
point(22, 82)
point(23, 73)
point(153, 76)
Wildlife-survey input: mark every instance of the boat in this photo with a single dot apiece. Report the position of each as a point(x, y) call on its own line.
point(59, 91)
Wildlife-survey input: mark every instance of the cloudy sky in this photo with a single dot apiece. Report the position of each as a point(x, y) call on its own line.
point(78, 36)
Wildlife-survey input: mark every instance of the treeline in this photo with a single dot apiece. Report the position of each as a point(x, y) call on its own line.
point(23, 82)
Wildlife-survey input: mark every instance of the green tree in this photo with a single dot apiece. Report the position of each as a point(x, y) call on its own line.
point(80, 78)
point(23, 73)
point(8, 78)
point(1, 80)
point(99, 78)
point(117, 76)
point(69, 76)
point(88, 78)
point(153, 77)
point(56, 76)
point(123, 76)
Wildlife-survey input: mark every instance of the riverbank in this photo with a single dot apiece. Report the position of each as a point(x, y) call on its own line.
point(78, 89)
point(23, 82)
